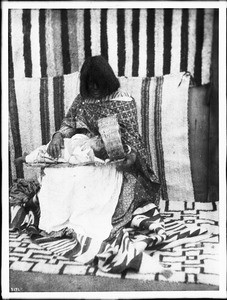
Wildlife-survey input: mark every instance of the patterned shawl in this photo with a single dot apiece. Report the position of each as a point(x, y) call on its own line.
point(85, 113)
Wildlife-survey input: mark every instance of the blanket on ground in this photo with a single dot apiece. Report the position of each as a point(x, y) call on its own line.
point(132, 248)
point(187, 245)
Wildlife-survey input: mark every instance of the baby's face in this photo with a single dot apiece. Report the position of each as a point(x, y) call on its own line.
point(89, 135)
point(96, 144)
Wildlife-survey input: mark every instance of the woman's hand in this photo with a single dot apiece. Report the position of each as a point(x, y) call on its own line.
point(55, 146)
point(127, 163)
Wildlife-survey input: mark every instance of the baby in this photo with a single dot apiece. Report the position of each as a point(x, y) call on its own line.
point(79, 149)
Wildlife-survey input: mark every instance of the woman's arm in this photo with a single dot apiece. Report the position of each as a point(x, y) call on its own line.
point(68, 125)
point(127, 119)
point(128, 122)
point(67, 130)
point(131, 139)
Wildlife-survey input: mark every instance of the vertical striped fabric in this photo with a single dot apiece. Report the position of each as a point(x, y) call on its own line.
point(191, 41)
point(175, 139)
point(136, 42)
point(95, 27)
point(37, 107)
point(42, 41)
point(112, 39)
point(159, 42)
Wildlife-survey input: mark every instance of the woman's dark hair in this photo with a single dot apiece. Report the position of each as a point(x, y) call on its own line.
point(96, 70)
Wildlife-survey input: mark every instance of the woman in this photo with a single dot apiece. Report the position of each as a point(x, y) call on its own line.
point(105, 201)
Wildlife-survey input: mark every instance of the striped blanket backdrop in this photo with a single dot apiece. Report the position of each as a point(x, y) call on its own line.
point(48, 46)
point(136, 42)
point(165, 115)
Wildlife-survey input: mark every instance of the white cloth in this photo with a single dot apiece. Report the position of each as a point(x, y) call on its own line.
point(83, 198)
point(76, 150)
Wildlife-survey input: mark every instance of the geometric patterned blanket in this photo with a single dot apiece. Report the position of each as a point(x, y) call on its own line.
point(192, 260)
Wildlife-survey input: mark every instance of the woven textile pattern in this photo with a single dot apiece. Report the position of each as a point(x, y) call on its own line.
point(136, 42)
point(191, 262)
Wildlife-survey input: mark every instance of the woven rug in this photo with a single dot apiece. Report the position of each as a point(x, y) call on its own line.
point(192, 260)
point(136, 42)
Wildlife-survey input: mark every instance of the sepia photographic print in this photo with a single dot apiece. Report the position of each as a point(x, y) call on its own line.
point(113, 150)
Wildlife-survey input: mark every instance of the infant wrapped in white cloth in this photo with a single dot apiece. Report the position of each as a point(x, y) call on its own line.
point(77, 150)
point(83, 197)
